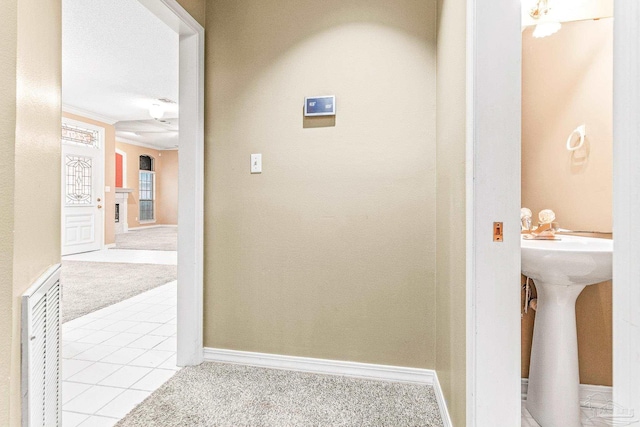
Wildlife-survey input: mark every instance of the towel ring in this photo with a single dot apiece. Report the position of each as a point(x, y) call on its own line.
point(580, 130)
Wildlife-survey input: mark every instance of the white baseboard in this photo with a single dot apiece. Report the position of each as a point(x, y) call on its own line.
point(322, 366)
point(591, 396)
point(110, 246)
point(442, 403)
point(334, 367)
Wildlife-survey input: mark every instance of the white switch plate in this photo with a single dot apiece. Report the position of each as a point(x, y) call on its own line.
point(256, 163)
point(107, 189)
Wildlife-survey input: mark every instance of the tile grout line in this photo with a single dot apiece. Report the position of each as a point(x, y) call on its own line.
point(118, 364)
point(106, 321)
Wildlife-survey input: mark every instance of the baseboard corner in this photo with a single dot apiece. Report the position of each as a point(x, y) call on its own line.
point(334, 367)
point(442, 403)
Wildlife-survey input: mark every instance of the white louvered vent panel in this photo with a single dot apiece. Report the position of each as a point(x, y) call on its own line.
point(38, 356)
point(53, 341)
point(41, 352)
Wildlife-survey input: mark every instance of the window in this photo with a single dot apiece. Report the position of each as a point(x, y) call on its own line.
point(147, 189)
point(80, 136)
point(146, 163)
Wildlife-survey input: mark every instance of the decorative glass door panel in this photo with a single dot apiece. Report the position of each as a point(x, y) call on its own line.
point(79, 186)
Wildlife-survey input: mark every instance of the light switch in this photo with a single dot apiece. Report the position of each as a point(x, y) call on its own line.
point(256, 163)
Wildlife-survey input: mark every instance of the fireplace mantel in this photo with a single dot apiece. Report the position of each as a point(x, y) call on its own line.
point(122, 194)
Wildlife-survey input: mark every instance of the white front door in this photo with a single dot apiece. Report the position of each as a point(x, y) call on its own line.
point(82, 187)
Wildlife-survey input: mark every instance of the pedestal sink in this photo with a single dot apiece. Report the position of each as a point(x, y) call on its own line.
point(561, 269)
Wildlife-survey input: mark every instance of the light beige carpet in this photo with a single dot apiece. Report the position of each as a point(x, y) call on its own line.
point(90, 286)
point(223, 395)
point(150, 239)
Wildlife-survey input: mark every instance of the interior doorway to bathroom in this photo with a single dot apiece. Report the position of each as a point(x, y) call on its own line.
point(567, 150)
point(494, 114)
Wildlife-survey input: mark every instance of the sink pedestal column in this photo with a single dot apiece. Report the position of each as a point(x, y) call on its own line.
point(554, 380)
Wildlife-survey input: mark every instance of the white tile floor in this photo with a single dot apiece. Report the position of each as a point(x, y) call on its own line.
point(590, 417)
point(113, 358)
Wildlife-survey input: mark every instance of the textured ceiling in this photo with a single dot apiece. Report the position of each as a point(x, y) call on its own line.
point(117, 59)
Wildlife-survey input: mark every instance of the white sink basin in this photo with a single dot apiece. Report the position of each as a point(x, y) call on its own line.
point(571, 261)
point(561, 270)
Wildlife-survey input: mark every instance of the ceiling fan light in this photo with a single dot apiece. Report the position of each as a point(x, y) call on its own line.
point(156, 111)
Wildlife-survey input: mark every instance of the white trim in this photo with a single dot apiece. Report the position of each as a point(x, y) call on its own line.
point(190, 177)
point(88, 114)
point(334, 367)
point(626, 201)
point(140, 144)
point(469, 224)
point(322, 366)
point(442, 403)
point(493, 194)
point(591, 396)
point(110, 246)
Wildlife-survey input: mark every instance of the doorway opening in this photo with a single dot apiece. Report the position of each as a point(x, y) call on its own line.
point(567, 150)
point(494, 114)
point(122, 312)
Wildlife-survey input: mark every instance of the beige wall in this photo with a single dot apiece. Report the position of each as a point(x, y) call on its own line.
point(450, 203)
point(567, 81)
point(167, 182)
point(166, 186)
point(8, 59)
point(330, 252)
point(109, 174)
point(30, 79)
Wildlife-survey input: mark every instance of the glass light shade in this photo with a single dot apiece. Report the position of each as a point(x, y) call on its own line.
point(545, 29)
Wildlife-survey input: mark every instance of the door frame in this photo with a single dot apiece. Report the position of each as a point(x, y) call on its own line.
point(190, 177)
point(493, 194)
point(626, 202)
point(99, 193)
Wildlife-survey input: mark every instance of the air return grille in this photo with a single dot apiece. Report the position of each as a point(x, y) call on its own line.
point(41, 351)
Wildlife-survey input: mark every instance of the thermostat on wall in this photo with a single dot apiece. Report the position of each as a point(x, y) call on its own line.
point(320, 106)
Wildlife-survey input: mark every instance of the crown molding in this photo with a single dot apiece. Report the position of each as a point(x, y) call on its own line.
point(142, 144)
point(88, 114)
